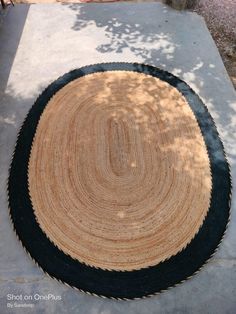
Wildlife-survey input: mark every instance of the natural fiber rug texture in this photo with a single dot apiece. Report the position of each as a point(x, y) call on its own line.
point(124, 184)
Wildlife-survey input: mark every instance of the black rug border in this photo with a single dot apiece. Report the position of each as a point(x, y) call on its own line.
point(118, 284)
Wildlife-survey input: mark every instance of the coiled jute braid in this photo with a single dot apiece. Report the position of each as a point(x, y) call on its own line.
point(119, 175)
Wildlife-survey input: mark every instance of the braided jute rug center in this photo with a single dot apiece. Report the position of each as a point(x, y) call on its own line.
point(119, 185)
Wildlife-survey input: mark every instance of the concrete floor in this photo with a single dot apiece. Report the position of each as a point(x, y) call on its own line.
point(40, 42)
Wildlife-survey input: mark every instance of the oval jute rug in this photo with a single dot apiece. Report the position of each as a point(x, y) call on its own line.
point(119, 185)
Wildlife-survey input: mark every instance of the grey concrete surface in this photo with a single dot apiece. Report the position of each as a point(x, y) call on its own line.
point(40, 42)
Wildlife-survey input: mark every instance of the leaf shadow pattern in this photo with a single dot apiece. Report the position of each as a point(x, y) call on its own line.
point(122, 34)
point(125, 35)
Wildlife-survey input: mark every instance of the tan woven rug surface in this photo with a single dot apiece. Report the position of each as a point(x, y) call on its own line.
point(118, 162)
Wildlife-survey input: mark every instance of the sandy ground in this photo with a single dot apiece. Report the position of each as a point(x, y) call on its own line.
point(220, 17)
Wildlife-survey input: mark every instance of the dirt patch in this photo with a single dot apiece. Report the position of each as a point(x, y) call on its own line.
point(220, 17)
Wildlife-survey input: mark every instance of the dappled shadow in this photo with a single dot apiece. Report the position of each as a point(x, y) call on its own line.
point(137, 150)
point(122, 34)
point(154, 39)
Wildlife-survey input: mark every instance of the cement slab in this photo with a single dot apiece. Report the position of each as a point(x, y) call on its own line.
point(38, 43)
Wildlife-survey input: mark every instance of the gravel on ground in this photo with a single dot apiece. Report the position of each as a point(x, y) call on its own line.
point(220, 17)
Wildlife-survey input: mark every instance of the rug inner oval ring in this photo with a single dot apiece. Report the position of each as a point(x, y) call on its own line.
point(119, 176)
